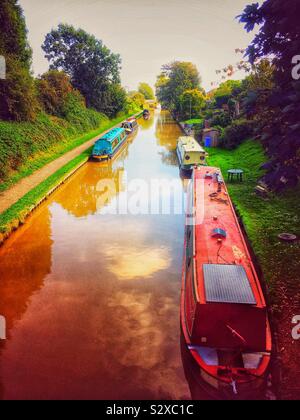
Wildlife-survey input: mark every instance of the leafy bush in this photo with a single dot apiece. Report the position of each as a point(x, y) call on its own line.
point(93, 68)
point(146, 91)
point(222, 119)
point(195, 121)
point(224, 92)
point(21, 141)
point(81, 118)
point(191, 103)
point(136, 99)
point(237, 132)
point(54, 88)
point(17, 93)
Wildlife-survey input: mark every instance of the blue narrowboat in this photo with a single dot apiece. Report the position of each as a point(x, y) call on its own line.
point(108, 145)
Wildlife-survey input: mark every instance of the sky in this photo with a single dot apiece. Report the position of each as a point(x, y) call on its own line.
point(147, 33)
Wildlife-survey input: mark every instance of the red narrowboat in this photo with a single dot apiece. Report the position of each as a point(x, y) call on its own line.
point(224, 317)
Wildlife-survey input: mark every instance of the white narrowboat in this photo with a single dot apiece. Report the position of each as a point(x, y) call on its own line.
point(190, 153)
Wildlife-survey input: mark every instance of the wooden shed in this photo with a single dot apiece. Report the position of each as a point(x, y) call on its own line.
point(211, 137)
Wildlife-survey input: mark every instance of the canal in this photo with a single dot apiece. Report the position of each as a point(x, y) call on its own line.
point(91, 293)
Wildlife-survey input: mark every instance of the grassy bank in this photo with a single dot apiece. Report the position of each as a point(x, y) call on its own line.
point(27, 147)
point(280, 262)
point(15, 216)
point(264, 219)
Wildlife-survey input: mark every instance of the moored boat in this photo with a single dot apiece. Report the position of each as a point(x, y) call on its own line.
point(146, 114)
point(107, 146)
point(190, 153)
point(130, 125)
point(224, 316)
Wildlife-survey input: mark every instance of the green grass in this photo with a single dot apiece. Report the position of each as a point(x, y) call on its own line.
point(12, 218)
point(264, 219)
point(53, 151)
point(194, 121)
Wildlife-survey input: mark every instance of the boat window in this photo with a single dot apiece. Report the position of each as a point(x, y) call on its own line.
point(252, 360)
point(209, 356)
point(228, 358)
point(187, 157)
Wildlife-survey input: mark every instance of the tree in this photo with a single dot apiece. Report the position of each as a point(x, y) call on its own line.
point(54, 88)
point(146, 90)
point(256, 91)
point(223, 93)
point(13, 33)
point(162, 90)
point(17, 92)
point(117, 99)
point(278, 39)
point(138, 98)
point(174, 80)
point(191, 104)
point(92, 67)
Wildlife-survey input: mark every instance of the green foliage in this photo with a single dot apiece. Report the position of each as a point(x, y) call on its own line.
point(137, 98)
point(223, 93)
point(221, 119)
point(278, 37)
point(17, 93)
point(175, 79)
point(92, 67)
point(117, 100)
point(19, 141)
point(54, 89)
point(191, 103)
point(46, 139)
point(194, 121)
point(81, 118)
point(146, 91)
point(237, 132)
point(13, 33)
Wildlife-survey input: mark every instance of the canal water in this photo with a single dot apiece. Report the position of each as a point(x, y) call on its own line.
point(90, 292)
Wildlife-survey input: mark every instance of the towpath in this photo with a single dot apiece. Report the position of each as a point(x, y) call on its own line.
point(17, 191)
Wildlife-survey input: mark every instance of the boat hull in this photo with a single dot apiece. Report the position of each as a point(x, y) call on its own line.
point(188, 169)
point(234, 379)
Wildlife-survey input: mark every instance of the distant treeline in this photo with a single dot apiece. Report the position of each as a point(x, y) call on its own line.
point(81, 88)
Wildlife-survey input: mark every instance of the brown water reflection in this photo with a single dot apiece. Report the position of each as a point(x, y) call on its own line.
point(92, 299)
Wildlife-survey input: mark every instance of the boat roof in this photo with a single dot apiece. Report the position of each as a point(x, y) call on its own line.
point(112, 134)
point(190, 144)
point(230, 301)
point(130, 121)
point(226, 273)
